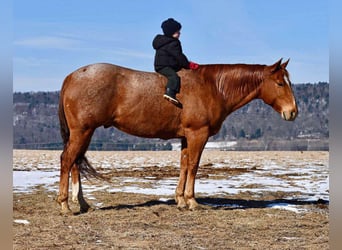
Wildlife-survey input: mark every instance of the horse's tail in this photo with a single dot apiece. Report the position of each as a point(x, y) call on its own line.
point(64, 129)
point(87, 170)
point(82, 162)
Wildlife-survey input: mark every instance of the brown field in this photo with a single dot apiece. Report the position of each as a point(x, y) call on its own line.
point(136, 209)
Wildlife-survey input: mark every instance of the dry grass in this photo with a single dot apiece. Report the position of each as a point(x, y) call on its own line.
point(140, 221)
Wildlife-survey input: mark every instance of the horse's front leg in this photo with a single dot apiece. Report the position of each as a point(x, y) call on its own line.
point(196, 142)
point(182, 176)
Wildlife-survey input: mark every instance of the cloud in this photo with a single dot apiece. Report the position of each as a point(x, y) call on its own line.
point(132, 53)
point(31, 61)
point(48, 42)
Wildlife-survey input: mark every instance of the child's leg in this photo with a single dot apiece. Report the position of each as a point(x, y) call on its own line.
point(173, 82)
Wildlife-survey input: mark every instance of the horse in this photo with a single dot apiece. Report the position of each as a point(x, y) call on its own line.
point(103, 94)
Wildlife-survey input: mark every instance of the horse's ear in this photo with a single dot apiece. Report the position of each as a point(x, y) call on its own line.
point(277, 66)
point(285, 63)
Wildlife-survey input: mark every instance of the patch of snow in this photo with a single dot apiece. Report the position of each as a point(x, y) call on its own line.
point(288, 207)
point(209, 145)
point(98, 204)
point(24, 181)
point(164, 199)
point(25, 222)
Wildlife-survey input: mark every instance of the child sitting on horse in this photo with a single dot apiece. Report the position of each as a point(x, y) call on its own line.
point(169, 57)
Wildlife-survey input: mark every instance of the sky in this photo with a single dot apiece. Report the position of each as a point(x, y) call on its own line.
point(53, 38)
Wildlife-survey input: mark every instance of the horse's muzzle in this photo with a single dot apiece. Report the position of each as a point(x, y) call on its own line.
point(289, 115)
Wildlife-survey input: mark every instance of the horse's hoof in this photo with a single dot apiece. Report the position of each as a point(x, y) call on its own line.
point(181, 204)
point(192, 204)
point(65, 209)
point(66, 212)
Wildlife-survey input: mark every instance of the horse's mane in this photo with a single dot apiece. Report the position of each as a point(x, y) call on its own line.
point(234, 79)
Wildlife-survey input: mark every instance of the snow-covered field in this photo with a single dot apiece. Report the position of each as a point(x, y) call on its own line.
point(301, 175)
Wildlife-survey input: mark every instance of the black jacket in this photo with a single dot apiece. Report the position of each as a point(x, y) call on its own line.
point(169, 53)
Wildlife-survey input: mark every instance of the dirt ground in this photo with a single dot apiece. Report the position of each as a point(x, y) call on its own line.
point(139, 221)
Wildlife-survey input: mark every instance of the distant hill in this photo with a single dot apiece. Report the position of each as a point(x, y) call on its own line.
point(255, 126)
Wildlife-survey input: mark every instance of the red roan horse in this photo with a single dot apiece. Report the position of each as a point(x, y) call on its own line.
point(132, 101)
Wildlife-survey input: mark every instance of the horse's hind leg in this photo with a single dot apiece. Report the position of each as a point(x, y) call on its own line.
point(62, 197)
point(76, 147)
point(75, 182)
point(76, 187)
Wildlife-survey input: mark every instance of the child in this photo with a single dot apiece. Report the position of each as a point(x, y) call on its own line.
point(169, 57)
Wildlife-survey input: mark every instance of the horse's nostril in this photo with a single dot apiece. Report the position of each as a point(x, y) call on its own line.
point(289, 116)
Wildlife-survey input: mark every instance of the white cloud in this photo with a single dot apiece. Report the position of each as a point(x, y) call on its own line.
point(48, 42)
point(132, 53)
point(30, 61)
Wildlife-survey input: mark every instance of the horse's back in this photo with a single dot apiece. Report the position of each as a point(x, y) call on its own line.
point(104, 79)
point(107, 68)
point(109, 95)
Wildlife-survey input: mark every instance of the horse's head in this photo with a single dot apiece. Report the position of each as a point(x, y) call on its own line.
point(276, 90)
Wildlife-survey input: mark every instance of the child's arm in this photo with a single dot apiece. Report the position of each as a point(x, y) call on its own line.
point(176, 51)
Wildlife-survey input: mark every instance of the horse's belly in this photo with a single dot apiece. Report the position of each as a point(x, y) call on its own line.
point(149, 125)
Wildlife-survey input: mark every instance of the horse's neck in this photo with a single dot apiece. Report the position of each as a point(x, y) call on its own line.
point(240, 100)
point(238, 86)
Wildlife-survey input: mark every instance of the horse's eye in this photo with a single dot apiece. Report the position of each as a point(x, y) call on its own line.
point(280, 84)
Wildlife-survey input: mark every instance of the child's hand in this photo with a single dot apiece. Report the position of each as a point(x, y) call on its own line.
point(193, 65)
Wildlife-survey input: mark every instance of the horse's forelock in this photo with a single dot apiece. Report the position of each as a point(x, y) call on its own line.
point(287, 77)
